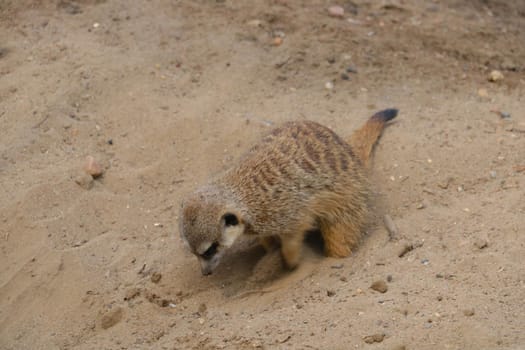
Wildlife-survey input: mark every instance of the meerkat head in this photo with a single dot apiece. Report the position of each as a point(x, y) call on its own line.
point(209, 224)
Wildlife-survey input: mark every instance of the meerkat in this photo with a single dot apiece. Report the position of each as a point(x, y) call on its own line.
point(300, 177)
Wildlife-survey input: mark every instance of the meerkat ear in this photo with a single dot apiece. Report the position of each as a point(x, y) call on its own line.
point(232, 227)
point(230, 219)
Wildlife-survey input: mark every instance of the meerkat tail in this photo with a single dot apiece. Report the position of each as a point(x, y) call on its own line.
point(363, 140)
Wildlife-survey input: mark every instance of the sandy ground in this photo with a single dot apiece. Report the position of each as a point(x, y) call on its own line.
point(165, 94)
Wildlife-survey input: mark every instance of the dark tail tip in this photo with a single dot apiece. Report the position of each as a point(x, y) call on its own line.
point(385, 115)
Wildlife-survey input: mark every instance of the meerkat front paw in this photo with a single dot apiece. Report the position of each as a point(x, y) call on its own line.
point(291, 251)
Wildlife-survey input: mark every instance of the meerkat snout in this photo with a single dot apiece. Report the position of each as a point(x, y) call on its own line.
point(209, 259)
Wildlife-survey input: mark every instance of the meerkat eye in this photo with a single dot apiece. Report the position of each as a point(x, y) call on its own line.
point(230, 219)
point(211, 251)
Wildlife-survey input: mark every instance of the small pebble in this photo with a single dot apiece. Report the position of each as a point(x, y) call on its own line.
point(79, 243)
point(389, 278)
point(481, 243)
point(502, 115)
point(374, 338)
point(257, 344)
point(406, 248)
point(425, 261)
point(495, 76)
point(277, 41)
point(345, 76)
point(96, 25)
point(444, 184)
point(483, 93)
point(379, 286)
point(351, 70)
point(330, 292)
point(429, 191)
point(329, 85)
point(493, 174)
point(131, 294)
point(92, 167)
point(336, 11)
point(255, 23)
point(468, 312)
point(156, 277)
point(85, 181)
point(111, 318)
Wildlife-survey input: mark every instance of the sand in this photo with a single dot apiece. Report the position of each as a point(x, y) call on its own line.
point(165, 94)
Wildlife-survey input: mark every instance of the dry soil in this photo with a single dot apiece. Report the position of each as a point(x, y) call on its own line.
point(164, 94)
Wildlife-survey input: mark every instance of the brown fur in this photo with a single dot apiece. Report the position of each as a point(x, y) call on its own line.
point(300, 177)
